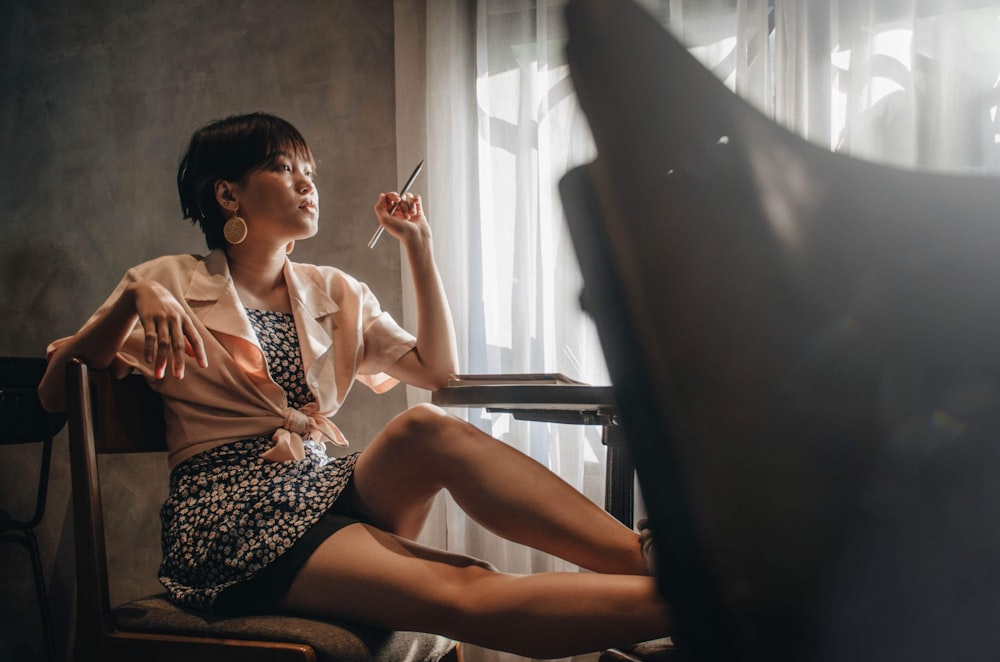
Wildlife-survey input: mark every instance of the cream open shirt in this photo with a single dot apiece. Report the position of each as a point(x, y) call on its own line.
point(343, 335)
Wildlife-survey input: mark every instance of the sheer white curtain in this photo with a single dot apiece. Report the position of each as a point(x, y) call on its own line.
point(911, 83)
point(502, 127)
point(484, 94)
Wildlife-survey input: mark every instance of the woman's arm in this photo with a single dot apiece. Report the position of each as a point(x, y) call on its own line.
point(166, 327)
point(435, 357)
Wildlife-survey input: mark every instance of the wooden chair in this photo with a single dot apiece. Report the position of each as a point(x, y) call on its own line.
point(804, 349)
point(23, 421)
point(125, 416)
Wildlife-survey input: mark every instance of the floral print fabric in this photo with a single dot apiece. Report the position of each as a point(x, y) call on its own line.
point(230, 513)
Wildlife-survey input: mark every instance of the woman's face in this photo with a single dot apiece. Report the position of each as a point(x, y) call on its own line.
point(279, 201)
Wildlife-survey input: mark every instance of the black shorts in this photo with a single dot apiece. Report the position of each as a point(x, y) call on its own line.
point(262, 592)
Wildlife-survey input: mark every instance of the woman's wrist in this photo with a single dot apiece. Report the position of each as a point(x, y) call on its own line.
point(129, 296)
point(420, 247)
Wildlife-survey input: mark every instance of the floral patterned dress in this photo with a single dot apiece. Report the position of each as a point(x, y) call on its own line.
point(230, 513)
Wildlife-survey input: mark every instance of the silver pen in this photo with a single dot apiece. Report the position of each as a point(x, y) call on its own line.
point(406, 187)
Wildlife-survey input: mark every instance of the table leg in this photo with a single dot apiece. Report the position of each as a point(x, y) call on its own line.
point(619, 492)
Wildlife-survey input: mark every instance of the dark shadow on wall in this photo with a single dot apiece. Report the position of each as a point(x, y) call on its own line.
point(42, 283)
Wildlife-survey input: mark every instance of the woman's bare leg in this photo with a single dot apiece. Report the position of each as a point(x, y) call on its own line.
point(369, 576)
point(424, 450)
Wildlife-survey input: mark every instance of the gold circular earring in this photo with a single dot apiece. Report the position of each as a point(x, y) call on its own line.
point(235, 229)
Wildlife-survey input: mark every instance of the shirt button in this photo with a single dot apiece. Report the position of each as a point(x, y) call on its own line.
point(314, 383)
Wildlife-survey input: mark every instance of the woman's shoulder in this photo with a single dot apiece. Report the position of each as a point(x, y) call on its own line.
point(168, 263)
point(325, 275)
point(345, 290)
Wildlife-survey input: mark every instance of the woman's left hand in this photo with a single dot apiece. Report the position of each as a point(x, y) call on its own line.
point(407, 222)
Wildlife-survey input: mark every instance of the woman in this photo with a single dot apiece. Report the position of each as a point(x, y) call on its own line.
point(252, 353)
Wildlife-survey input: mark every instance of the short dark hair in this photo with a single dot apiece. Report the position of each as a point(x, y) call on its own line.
point(228, 150)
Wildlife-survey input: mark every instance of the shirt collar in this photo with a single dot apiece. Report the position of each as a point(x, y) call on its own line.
point(212, 282)
point(308, 294)
point(212, 296)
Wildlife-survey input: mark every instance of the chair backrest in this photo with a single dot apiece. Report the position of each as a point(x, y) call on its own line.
point(682, 572)
point(21, 411)
point(23, 420)
point(804, 353)
point(106, 415)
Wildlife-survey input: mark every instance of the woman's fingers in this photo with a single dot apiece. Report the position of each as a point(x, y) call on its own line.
point(394, 205)
point(161, 346)
point(157, 336)
point(406, 220)
point(176, 347)
point(194, 343)
point(151, 340)
point(167, 340)
point(407, 207)
point(383, 206)
point(416, 205)
point(164, 345)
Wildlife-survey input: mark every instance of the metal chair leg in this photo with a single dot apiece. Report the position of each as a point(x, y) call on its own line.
point(27, 539)
point(42, 595)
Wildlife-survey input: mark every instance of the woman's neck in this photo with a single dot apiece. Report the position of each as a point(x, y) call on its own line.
point(259, 278)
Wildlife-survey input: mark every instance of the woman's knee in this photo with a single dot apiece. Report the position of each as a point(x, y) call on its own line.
point(427, 428)
point(423, 416)
point(462, 592)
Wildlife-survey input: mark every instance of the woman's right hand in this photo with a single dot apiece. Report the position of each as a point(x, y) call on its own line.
point(169, 331)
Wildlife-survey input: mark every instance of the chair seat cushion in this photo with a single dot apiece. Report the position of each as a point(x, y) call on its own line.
point(657, 650)
point(333, 642)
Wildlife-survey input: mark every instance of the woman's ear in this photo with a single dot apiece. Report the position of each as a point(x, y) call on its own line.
point(225, 195)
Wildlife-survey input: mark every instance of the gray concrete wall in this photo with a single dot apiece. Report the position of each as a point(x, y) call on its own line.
point(97, 102)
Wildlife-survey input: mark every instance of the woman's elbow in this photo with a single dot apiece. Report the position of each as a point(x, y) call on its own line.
point(443, 373)
point(426, 378)
point(52, 396)
point(430, 373)
point(438, 380)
